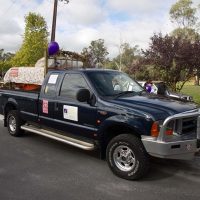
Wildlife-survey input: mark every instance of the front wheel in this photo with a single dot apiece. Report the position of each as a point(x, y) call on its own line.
point(14, 122)
point(127, 157)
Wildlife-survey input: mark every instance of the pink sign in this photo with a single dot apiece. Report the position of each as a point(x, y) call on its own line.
point(45, 106)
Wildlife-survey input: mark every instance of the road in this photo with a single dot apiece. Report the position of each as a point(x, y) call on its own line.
point(36, 168)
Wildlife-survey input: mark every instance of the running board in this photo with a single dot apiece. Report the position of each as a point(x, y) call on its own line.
point(61, 138)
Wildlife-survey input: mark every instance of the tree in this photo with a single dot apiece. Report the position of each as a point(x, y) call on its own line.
point(34, 41)
point(174, 58)
point(141, 70)
point(5, 61)
point(5, 56)
point(95, 55)
point(126, 57)
point(186, 33)
point(185, 16)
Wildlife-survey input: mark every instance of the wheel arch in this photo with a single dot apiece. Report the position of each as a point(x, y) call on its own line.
point(10, 105)
point(114, 130)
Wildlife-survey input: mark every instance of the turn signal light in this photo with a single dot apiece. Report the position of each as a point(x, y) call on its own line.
point(155, 129)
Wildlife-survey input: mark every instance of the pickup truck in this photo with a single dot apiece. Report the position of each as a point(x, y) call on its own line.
point(108, 111)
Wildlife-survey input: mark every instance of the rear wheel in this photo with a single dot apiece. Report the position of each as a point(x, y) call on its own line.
point(127, 157)
point(14, 122)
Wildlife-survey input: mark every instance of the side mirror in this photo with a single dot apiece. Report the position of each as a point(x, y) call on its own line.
point(83, 95)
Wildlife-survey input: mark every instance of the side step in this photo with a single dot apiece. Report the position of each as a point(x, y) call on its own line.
point(68, 140)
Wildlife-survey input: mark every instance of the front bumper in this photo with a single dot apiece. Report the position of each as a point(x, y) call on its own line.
point(175, 146)
point(183, 150)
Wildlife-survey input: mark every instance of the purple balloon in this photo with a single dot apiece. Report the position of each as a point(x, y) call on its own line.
point(148, 88)
point(53, 48)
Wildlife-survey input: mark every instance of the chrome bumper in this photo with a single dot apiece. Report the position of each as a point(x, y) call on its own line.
point(184, 150)
point(175, 146)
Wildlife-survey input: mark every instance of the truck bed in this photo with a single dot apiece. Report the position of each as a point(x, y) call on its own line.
point(26, 102)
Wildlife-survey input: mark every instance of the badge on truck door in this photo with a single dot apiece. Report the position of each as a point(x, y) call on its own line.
point(45, 105)
point(70, 112)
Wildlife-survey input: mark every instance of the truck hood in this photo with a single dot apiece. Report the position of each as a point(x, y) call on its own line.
point(158, 107)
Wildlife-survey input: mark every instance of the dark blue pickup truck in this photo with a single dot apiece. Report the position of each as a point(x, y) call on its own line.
point(105, 110)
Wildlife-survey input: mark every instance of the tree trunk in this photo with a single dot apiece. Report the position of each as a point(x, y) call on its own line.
point(172, 86)
point(197, 77)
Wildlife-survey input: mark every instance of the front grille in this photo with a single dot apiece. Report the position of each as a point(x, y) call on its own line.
point(186, 125)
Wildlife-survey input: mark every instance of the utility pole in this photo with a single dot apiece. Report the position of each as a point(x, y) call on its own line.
point(53, 30)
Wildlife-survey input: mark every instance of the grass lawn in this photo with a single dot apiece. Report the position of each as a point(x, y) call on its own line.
point(193, 91)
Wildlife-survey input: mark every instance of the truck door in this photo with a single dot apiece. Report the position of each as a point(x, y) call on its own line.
point(71, 115)
point(47, 99)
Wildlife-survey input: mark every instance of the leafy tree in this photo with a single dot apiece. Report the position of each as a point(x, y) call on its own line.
point(186, 33)
point(95, 54)
point(126, 57)
point(183, 13)
point(5, 61)
point(141, 70)
point(175, 58)
point(109, 64)
point(34, 41)
point(5, 56)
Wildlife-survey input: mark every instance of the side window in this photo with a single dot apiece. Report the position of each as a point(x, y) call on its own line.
point(50, 88)
point(70, 85)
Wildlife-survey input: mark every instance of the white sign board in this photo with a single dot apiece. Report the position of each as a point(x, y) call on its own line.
point(70, 112)
point(53, 78)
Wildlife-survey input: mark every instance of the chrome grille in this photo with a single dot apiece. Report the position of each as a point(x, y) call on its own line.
point(186, 126)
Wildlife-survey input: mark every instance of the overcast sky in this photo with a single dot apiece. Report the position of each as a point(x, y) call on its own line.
point(81, 21)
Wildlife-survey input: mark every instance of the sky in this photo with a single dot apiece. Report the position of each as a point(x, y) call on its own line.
point(81, 21)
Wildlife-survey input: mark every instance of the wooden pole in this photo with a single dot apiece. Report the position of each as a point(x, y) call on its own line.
point(53, 30)
point(46, 61)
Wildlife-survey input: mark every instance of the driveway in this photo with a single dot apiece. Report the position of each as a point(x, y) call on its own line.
point(34, 167)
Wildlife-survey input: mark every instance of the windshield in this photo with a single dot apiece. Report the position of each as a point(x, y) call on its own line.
point(112, 83)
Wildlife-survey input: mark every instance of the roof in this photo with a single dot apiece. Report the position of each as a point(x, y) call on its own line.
point(83, 70)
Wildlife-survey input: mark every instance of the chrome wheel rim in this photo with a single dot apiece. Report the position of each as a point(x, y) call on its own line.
point(12, 123)
point(124, 158)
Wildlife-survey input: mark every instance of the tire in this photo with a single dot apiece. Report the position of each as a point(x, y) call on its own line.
point(127, 157)
point(13, 123)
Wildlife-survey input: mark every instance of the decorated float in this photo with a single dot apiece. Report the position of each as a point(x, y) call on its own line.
point(31, 78)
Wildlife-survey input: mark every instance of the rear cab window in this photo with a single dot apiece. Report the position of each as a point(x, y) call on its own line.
point(51, 85)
